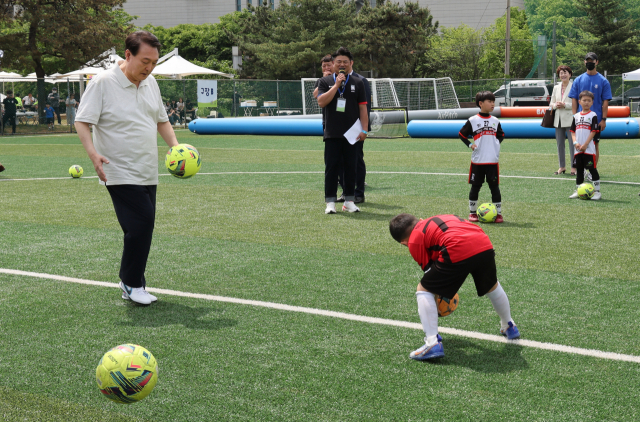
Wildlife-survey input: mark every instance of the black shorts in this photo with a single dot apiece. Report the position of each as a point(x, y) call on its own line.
point(49, 119)
point(446, 279)
point(478, 172)
point(588, 161)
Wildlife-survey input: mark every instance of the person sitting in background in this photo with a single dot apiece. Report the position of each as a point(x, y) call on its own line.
point(180, 107)
point(174, 106)
point(29, 102)
point(171, 113)
point(561, 103)
point(190, 111)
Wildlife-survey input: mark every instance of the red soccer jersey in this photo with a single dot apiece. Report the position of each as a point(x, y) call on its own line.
point(446, 238)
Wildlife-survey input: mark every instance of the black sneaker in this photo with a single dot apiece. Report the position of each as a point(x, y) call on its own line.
point(341, 199)
point(359, 200)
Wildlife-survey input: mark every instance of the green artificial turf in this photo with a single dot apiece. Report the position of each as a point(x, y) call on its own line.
point(259, 232)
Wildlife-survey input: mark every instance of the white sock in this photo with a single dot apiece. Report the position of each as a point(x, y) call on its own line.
point(428, 312)
point(473, 206)
point(499, 207)
point(500, 303)
point(596, 185)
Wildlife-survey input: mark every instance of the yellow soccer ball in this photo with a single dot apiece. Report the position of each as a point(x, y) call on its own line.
point(183, 161)
point(487, 213)
point(127, 373)
point(75, 171)
point(586, 191)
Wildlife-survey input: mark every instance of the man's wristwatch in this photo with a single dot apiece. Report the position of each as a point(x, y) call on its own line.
point(604, 119)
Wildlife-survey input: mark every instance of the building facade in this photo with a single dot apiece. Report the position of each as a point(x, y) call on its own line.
point(168, 13)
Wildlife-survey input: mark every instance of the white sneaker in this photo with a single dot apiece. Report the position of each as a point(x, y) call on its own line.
point(350, 206)
point(125, 296)
point(136, 294)
point(331, 208)
point(574, 195)
point(596, 196)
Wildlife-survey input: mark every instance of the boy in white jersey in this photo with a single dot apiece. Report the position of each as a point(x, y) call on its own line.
point(487, 137)
point(586, 134)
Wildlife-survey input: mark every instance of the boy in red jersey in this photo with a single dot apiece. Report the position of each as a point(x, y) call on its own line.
point(448, 249)
point(487, 137)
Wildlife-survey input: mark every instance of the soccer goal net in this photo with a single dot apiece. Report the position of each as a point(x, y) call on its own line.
point(414, 94)
point(389, 122)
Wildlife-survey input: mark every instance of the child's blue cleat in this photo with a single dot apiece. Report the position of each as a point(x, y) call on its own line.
point(426, 352)
point(511, 332)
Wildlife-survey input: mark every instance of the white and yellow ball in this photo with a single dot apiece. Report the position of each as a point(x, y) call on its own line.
point(586, 191)
point(75, 171)
point(487, 213)
point(183, 161)
point(127, 373)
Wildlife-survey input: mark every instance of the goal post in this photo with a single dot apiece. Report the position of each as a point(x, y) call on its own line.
point(414, 94)
point(388, 122)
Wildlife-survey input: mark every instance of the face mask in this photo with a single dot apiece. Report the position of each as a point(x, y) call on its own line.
point(591, 65)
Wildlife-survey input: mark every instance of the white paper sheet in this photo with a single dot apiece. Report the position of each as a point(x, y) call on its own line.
point(352, 134)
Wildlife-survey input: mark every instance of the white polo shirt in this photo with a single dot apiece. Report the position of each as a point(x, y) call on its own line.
point(125, 120)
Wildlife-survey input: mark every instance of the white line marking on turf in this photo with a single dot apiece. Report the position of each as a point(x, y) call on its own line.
point(351, 317)
point(415, 173)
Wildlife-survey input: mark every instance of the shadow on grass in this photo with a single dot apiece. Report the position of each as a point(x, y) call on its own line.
point(364, 215)
point(380, 206)
point(163, 313)
point(461, 352)
point(507, 223)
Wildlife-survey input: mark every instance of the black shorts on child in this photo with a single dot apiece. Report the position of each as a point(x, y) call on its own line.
point(445, 279)
point(49, 120)
point(588, 161)
point(478, 172)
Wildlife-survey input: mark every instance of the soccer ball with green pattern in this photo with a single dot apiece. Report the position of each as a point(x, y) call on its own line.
point(487, 213)
point(183, 161)
point(127, 373)
point(586, 191)
point(76, 171)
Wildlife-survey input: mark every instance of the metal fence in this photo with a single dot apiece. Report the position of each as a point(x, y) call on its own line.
point(246, 97)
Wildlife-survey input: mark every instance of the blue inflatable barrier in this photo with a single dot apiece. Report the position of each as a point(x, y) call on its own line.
point(257, 126)
point(517, 128)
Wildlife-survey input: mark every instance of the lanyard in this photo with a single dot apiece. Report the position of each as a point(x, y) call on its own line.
point(345, 84)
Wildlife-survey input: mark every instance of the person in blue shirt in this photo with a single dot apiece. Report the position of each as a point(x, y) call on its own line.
point(599, 86)
point(48, 113)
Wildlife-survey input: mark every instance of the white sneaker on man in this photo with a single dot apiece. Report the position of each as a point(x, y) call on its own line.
point(136, 294)
point(574, 195)
point(596, 196)
point(331, 208)
point(350, 206)
point(152, 297)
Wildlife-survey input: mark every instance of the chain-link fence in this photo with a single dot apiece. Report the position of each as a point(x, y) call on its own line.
point(237, 98)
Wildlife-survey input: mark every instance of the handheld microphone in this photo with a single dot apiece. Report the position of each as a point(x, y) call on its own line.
point(342, 83)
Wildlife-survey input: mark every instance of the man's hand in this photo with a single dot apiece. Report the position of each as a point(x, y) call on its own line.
point(473, 146)
point(361, 137)
point(602, 125)
point(97, 161)
point(340, 78)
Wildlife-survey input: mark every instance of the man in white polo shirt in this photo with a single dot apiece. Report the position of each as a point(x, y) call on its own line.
point(125, 107)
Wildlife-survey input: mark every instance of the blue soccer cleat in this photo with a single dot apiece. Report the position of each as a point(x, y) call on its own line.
point(511, 332)
point(425, 352)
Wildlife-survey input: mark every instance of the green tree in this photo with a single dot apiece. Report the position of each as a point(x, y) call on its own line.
point(288, 42)
point(611, 35)
point(68, 33)
point(521, 57)
point(456, 53)
point(207, 45)
point(394, 37)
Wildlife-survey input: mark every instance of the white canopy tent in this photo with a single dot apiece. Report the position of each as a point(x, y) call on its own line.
point(631, 76)
point(178, 67)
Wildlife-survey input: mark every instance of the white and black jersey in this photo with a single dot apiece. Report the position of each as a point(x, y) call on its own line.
point(583, 125)
point(487, 135)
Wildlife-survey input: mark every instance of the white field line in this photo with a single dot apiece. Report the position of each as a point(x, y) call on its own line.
point(351, 317)
point(414, 173)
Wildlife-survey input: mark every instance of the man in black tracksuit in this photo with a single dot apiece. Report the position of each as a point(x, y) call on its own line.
point(342, 95)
